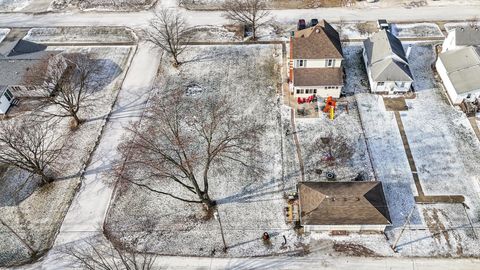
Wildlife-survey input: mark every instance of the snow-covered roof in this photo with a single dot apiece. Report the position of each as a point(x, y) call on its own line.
point(467, 35)
point(386, 58)
point(343, 203)
point(463, 68)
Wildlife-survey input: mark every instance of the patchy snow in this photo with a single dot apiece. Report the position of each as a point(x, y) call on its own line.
point(421, 60)
point(79, 35)
point(103, 5)
point(354, 30)
point(416, 30)
point(13, 5)
point(388, 156)
point(3, 33)
point(452, 25)
point(356, 78)
point(346, 125)
point(249, 205)
point(215, 33)
point(39, 215)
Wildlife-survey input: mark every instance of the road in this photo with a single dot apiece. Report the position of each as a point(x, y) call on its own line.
point(140, 19)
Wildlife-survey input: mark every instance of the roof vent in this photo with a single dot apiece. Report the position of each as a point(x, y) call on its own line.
point(317, 30)
point(476, 28)
point(462, 29)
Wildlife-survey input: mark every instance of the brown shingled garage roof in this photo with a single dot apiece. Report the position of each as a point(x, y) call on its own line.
point(317, 77)
point(343, 203)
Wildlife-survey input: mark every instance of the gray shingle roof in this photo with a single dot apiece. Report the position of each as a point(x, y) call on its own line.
point(463, 68)
point(13, 69)
point(386, 58)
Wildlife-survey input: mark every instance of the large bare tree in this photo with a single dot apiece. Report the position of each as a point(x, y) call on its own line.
point(169, 31)
point(67, 80)
point(98, 254)
point(31, 146)
point(183, 139)
point(251, 13)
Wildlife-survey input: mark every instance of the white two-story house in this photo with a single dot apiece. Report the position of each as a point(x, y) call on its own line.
point(316, 58)
point(386, 63)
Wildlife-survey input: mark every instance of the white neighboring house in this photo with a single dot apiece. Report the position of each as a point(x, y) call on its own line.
point(459, 64)
point(316, 62)
point(17, 59)
point(6, 99)
point(386, 63)
point(349, 206)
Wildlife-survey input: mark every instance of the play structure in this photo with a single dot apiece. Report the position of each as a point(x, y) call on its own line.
point(330, 105)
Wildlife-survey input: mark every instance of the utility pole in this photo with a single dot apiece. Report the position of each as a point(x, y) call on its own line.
point(394, 246)
point(217, 217)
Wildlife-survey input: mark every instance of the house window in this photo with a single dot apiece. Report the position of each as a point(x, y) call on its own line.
point(300, 91)
point(330, 62)
point(380, 83)
point(8, 95)
point(314, 91)
point(301, 63)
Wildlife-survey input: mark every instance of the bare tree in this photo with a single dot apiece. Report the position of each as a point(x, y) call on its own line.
point(66, 80)
point(101, 255)
point(169, 31)
point(31, 146)
point(251, 13)
point(183, 138)
point(332, 148)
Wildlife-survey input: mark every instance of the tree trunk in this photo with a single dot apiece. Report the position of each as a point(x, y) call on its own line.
point(76, 120)
point(45, 179)
point(207, 202)
point(175, 60)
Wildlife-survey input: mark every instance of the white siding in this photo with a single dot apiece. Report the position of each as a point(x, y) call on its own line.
point(451, 91)
point(4, 104)
point(317, 63)
point(350, 228)
point(321, 91)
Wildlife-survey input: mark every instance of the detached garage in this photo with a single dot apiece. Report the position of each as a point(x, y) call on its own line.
point(349, 206)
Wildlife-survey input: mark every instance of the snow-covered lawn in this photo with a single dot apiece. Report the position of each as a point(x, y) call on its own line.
point(248, 205)
point(452, 25)
point(446, 153)
point(346, 125)
point(421, 59)
point(388, 156)
point(79, 35)
point(104, 5)
point(37, 214)
point(354, 30)
point(416, 30)
point(13, 5)
point(356, 78)
point(3, 33)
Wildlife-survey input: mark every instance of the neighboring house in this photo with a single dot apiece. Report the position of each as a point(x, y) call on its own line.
point(16, 64)
point(316, 62)
point(349, 206)
point(459, 64)
point(387, 65)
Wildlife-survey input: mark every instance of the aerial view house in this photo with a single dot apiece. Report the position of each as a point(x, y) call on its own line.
point(387, 65)
point(17, 59)
point(349, 206)
point(459, 64)
point(316, 62)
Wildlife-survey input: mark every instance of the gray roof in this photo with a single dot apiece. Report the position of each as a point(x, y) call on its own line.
point(13, 69)
point(463, 68)
point(467, 35)
point(386, 58)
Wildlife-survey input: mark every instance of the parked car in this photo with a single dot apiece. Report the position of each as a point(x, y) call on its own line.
point(301, 24)
point(313, 22)
point(383, 24)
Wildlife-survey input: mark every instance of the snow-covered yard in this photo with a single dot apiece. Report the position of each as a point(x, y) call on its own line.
point(248, 205)
point(470, 22)
point(36, 213)
point(79, 35)
point(346, 127)
point(356, 78)
point(416, 30)
point(104, 5)
point(13, 5)
point(421, 59)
